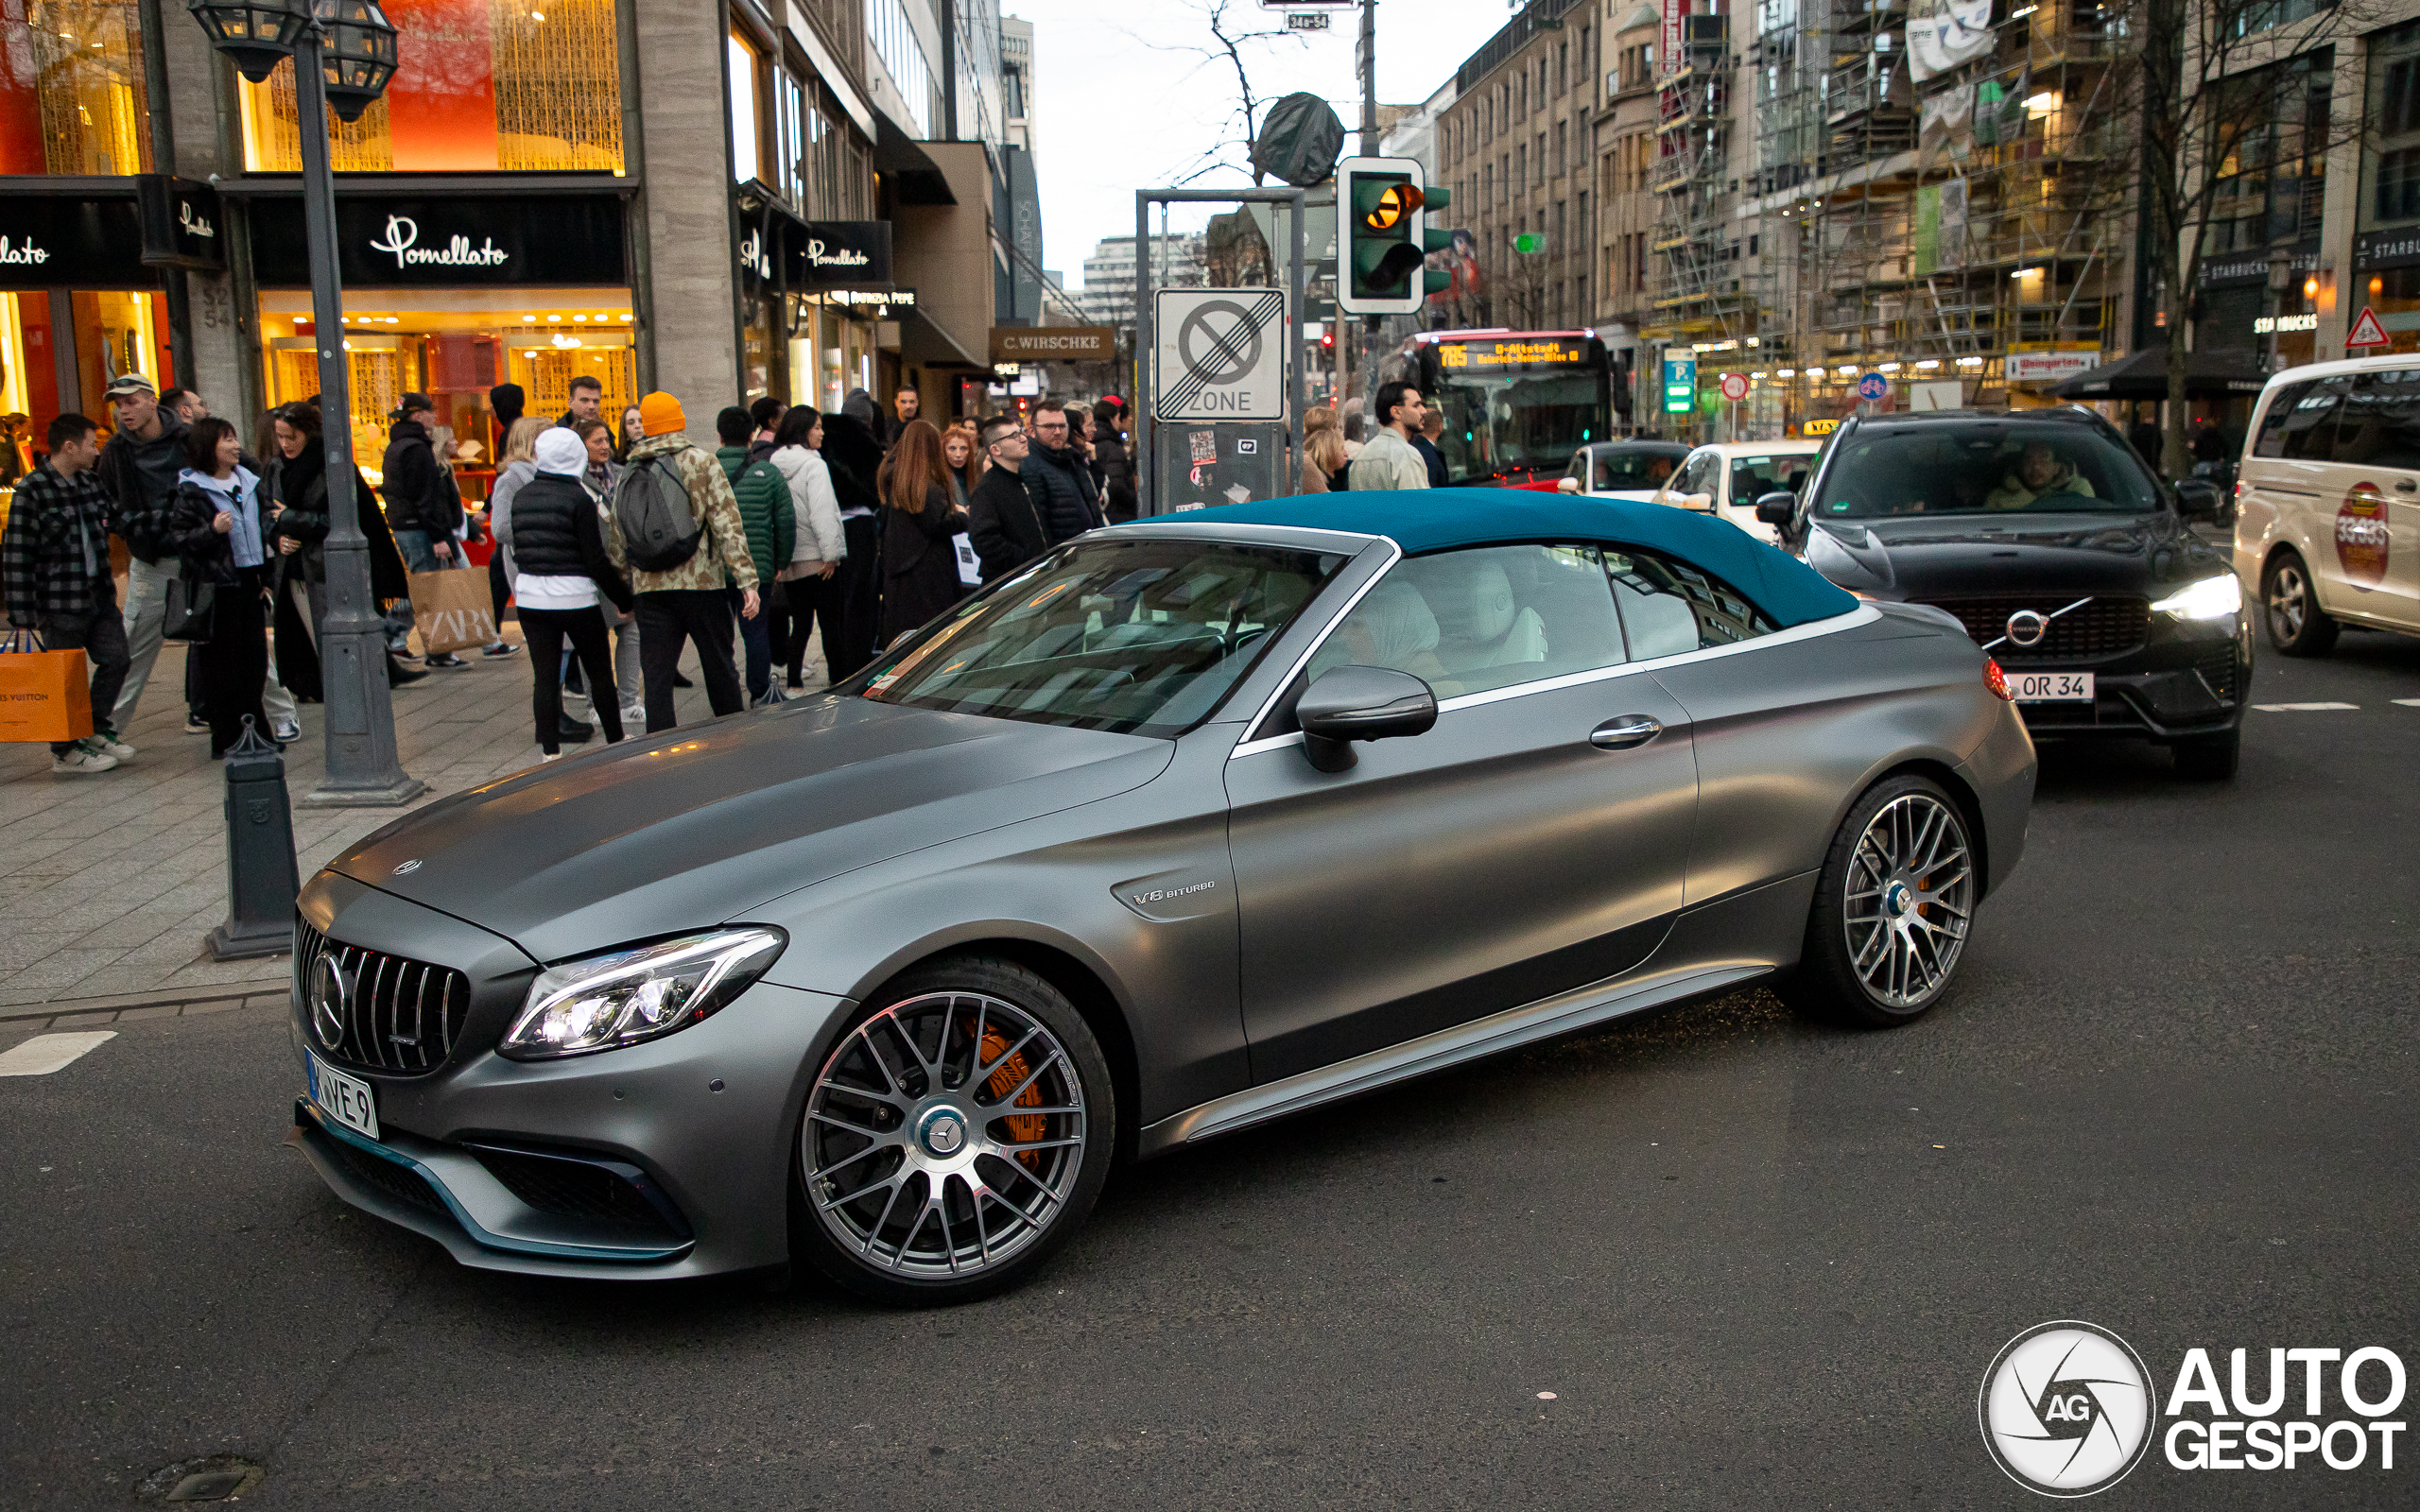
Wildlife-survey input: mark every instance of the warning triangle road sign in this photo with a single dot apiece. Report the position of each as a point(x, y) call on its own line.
point(2367, 331)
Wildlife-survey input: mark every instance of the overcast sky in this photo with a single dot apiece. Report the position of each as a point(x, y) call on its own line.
point(1122, 107)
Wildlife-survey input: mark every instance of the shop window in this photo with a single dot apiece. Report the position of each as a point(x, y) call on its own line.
point(747, 131)
point(71, 88)
point(514, 85)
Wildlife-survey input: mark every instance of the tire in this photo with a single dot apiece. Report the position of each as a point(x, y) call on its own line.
point(2210, 759)
point(902, 1109)
point(1900, 876)
point(2289, 608)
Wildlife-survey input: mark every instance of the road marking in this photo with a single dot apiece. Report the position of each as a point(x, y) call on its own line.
point(2409, 703)
point(2302, 708)
point(46, 1053)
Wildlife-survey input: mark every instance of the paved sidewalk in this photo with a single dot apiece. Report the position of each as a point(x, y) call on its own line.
point(110, 882)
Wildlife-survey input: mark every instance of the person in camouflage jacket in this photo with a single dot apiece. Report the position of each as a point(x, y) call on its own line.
point(684, 603)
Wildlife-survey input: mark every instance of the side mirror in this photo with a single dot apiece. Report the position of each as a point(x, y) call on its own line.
point(2198, 499)
point(1352, 703)
point(1566, 484)
point(1775, 509)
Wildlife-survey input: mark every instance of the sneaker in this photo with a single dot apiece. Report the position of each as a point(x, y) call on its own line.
point(111, 746)
point(82, 760)
point(448, 659)
point(550, 756)
point(197, 725)
point(575, 732)
point(281, 731)
point(634, 718)
point(500, 649)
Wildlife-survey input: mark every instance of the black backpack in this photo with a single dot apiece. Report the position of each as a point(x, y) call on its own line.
point(651, 509)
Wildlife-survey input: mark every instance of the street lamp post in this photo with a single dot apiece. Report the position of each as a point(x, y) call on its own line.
point(2281, 278)
point(344, 54)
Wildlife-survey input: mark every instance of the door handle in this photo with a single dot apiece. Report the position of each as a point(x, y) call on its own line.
point(2406, 486)
point(1623, 731)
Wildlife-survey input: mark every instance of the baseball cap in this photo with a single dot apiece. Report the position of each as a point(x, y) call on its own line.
point(411, 403)
point(128, 383)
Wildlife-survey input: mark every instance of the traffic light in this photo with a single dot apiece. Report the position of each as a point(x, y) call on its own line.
point(1383, 205)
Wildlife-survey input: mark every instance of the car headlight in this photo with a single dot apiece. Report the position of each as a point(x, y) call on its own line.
point(606, 1001)
point(2212, 598)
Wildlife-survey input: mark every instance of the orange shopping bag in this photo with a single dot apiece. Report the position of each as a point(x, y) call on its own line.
point(44, 694)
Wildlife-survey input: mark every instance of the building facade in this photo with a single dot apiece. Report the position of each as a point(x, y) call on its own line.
point(1108, 295)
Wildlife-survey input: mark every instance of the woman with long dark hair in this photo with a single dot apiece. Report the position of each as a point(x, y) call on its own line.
point(215, 521)
point(812, 578)
point(918, 568)
point(853, 454)
point(300, 528)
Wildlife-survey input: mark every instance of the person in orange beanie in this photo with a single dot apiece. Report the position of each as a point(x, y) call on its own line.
point(674, 530)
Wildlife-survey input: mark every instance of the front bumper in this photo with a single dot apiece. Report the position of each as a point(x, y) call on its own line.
point(2189, 681)
point(662, 1159)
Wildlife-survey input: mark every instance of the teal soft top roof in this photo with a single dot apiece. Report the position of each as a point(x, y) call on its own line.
point(1441, 519)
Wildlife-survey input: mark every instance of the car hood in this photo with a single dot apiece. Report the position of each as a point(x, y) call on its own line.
point(692, 828)
point(1938, 556)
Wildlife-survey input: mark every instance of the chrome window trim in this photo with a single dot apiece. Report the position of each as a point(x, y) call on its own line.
point(1862, 615)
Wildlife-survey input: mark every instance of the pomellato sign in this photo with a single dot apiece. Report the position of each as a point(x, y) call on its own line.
point(401, 241)
point(476, 241)
point(181, 220)
point(838, 253)
point(55, 241)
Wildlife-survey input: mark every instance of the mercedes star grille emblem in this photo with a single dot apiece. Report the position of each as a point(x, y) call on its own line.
point(329, 992)
point(2025, 628)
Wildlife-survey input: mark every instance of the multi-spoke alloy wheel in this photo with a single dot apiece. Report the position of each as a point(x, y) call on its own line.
point(954, 1134)
point(1893, 907)
point(2298, 625)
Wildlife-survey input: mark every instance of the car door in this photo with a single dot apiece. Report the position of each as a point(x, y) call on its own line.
point(2377, 527)
point(1535, 840)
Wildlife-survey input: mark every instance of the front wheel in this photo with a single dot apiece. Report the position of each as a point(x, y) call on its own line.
point(2289, 608)
point(956, 1136)
point(1893, 908)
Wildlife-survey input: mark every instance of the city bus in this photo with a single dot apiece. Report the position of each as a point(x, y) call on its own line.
point(1517, 404)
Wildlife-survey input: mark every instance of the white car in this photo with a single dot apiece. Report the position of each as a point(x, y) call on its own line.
point(1622, 470)
point(1727, 478)
point(2327, 502)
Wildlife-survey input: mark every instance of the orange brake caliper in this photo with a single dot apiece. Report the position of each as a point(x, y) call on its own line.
point(1025, 1127)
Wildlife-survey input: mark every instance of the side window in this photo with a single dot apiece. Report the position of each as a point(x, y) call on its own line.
point(1488, 617)
point(1670, 608)
point(1753, 478)
point(2271, 441)
point(2311, 430)
point(2379, 424)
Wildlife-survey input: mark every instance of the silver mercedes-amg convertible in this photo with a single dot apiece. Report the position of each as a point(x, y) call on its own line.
point(1192, 824)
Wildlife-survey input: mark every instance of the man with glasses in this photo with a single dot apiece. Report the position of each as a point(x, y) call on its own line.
point(1003, 519)
point(1069, 504)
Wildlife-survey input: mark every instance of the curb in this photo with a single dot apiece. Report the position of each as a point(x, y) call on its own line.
point(159, 1002)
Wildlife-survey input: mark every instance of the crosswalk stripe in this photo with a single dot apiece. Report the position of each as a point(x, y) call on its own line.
point(46, 1053)
point(2302, 708)
point(2409, 703)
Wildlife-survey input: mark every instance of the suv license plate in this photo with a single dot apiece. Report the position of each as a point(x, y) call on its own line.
point(346, 1099)
point(2050, 687)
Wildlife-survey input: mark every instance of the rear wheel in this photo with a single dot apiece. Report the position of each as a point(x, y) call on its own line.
point(2289, 608)
point(955, 1137)
point(1893, 908)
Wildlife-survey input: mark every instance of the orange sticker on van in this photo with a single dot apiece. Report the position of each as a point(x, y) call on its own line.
point(2361, 536)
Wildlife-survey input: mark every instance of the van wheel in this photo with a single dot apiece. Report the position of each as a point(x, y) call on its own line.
point(2290, 606)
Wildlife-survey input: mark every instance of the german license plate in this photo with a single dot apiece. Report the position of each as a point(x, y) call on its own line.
point(2050, 687)
point(346, 1099)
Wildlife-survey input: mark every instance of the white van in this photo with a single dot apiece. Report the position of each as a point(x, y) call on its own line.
point(2327, 502)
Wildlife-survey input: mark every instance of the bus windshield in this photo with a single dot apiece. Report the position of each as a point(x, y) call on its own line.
point(1519, 404)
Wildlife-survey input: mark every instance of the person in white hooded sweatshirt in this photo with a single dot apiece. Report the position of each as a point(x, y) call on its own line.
point(814, 596)
point(561, 574)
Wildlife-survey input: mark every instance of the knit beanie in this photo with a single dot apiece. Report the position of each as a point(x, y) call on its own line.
point(659, 414)
point(561, 452)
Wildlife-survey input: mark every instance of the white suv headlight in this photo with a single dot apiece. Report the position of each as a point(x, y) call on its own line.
point(606, 1001)
point(2212, 598)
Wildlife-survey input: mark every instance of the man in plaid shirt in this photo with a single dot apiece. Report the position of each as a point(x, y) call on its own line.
point(55, 561)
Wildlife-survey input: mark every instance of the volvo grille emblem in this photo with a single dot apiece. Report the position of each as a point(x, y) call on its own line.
point(329, 992)
point(2025, 628)
point(409, 865)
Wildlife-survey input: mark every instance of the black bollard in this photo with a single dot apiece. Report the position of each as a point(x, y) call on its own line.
point(262, 878)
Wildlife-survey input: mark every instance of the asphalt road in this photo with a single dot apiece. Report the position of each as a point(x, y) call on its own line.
point(1757, 1264)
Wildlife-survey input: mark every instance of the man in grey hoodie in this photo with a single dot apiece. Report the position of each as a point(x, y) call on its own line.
point(139, 466)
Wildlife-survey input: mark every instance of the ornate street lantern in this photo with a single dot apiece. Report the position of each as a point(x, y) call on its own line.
point(255, 35)
point(358, 50)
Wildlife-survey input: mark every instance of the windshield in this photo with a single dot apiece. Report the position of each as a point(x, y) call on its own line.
point(1984, 467)
point(1140, 637)
point(1641, 470)
point(1495, 425)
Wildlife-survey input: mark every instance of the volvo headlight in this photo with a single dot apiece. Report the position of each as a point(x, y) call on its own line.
point(2212, 598)
point(606, 1001)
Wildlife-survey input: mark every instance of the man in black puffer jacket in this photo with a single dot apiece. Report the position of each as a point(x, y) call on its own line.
point(1115, 468)
point(420, 509)
point(560, 569)
point(1066, 483)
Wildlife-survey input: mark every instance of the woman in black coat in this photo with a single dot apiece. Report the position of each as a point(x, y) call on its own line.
point(218, 526)
point(854, 459)
point(919, 564)
point(300, 532)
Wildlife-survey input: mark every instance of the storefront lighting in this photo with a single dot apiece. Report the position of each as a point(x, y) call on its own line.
point(1785, 372)
point(1970, 362)
point(1927, 365)
point(1888, 367)
point(626, 318)
point(529, 319)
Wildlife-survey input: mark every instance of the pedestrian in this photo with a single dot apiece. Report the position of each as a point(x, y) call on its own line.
point(587, 400)
point(561, 576)
point(918, 568)
point(1003, 518)
point(424, 509)
point(507, 403)
point(1432, 426)
point(1323, 462)
point(1355, 426)
point(600, 476)
point(819, 540)
point(187, 405)
point(2146, 437)
point(596, 438)
point(139, 468)
point(763, 496)
point(908, 404)
point(55, 563)
point(632, 432)
point(765, 415)
point(1114, 464)
point(963, 459)
point(516, 464)
point(1070, 507)
point(300, 529)
point(853, 454)
point(1389, 459)
point(683, 601)
point(215, 523)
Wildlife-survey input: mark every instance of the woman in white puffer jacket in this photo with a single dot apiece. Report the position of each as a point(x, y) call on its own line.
point(814, 594)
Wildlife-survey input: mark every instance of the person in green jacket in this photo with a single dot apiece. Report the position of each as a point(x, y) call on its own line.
point(763, 498)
